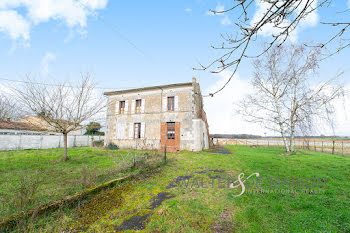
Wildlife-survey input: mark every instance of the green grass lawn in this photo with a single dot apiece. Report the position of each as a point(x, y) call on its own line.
point(214, 209)
point(29, 178)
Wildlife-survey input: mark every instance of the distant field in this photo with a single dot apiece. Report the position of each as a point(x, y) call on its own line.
point(339, 147)
point(213, 209)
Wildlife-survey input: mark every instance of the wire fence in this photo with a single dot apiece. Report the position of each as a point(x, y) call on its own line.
point(339, 147)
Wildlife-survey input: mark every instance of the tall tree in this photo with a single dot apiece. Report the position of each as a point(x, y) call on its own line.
point(64, 107)
point(284, 100)
point(93, 128)
point(9, 108)
point(283, 17)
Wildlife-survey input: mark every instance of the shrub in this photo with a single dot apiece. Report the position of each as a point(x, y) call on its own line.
point(112, 146)
point(98, 143)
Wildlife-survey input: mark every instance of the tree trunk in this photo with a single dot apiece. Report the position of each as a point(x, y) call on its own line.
point(291, 149)
point(285, 141)
point(65, 137)
point(280, 123)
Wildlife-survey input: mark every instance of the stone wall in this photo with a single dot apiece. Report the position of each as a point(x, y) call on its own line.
point(21, 142)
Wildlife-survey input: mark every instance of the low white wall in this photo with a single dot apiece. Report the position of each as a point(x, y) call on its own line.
point(21, 142)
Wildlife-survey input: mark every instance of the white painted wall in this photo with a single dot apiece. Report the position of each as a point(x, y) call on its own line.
point(21, 142)
point(201, 140)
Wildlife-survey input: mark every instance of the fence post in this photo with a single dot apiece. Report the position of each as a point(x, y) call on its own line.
point(41, 141)
point(315, 145)
point(342, 147)
point(333, 148)
point(322, 146)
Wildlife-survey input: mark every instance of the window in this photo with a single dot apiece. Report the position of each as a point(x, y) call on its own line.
point(171, 101)
point(121, 107)
point(137, 130)
point(138, 106)
point(171, 130)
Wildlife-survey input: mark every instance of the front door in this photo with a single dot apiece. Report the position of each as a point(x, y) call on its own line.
point(170, 136)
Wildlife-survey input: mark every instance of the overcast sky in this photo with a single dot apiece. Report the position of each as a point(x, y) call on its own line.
point(128, 44)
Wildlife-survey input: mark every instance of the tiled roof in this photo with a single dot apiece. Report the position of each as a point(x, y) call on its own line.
point(18, 126)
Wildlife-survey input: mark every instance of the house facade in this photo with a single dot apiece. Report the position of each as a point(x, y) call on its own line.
point(155, 117)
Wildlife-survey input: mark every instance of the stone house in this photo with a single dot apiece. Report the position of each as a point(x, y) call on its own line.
point(38, 122)
point(18, 128)
point(158, 116)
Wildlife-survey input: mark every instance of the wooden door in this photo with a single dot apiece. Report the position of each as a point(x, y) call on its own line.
point(170, 136)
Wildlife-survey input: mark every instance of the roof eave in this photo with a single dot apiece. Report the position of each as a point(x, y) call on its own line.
point(147, 88)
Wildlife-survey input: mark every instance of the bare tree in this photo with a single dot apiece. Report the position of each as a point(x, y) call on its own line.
point(9, 109)
point(284, 99)
point(62, 106)
point(284, 16)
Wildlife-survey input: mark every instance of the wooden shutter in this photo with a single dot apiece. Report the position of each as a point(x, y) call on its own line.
point(131, 130)
point(143, 130)
point(176, 104)
point(117, 107)
point(177, 135)
point(143, 103)
point(133, 106)
point(165, 104)
point(117, 130)
point(126, 107)
point(121, 127)
point(163, 134)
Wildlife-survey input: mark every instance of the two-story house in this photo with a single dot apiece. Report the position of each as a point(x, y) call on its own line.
point(158, 116)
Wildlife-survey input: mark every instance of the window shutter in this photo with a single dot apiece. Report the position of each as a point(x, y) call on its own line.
point(143, 103)
point(126, 107)
point(176, 104)
point(143, 130)
point(133, 106)
point(131, 130)
point(120, 131)
point(165, 104)
point(117, 107)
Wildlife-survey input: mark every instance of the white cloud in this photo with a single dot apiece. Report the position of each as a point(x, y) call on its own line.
point(73, 13)
point(188, 10)
point(45, 63)
point(349, 3)
point(14, 25)
point(310, 20)
point(226, 20)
